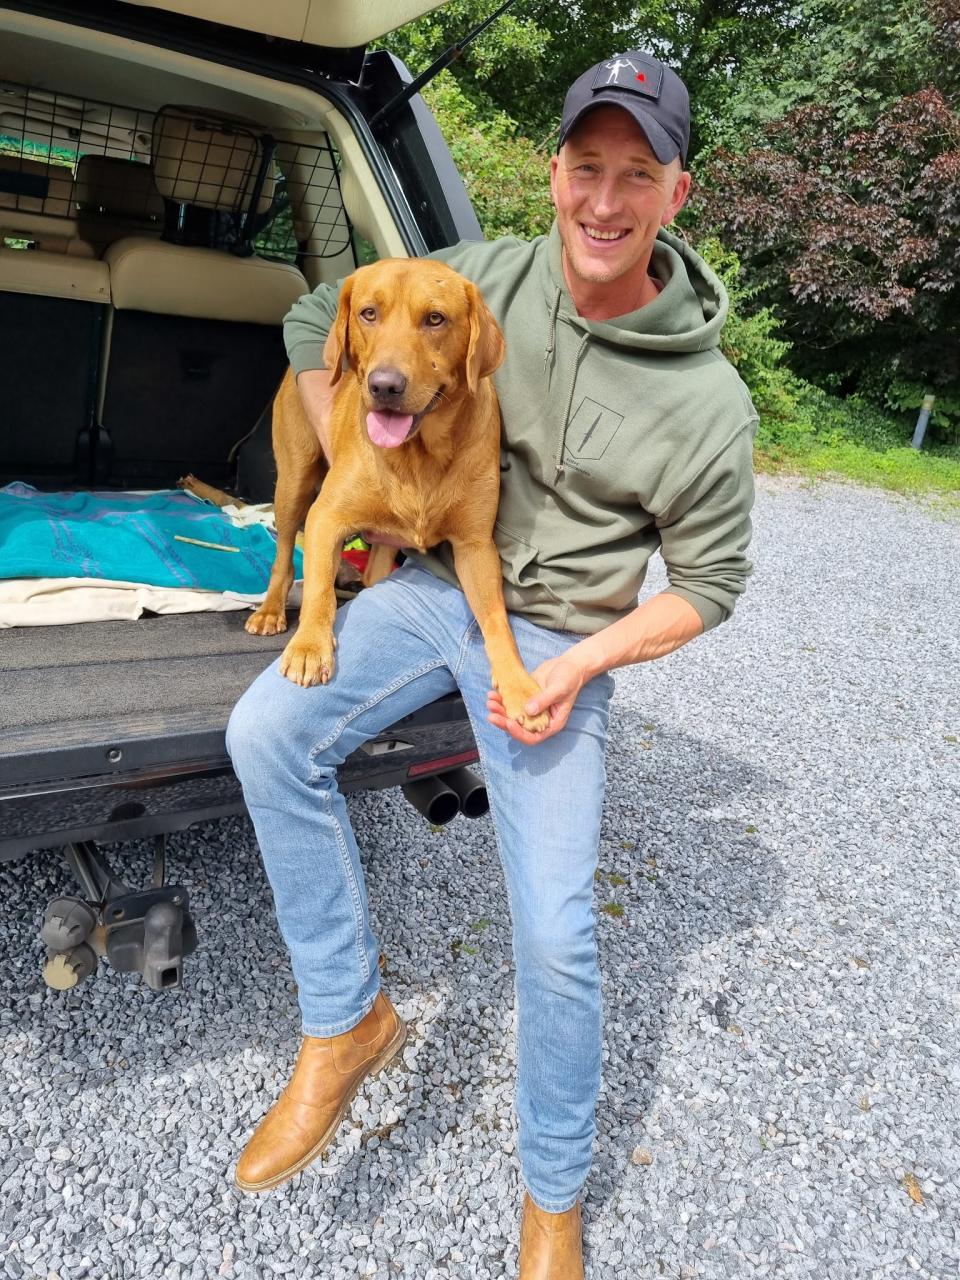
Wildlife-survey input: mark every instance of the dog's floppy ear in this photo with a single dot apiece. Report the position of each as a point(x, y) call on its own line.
point(337, 344)
point(486, 348)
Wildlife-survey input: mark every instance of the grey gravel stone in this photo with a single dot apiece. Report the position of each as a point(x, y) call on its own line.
point(781, 1008)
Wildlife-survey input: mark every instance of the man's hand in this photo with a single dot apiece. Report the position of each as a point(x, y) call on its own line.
point(317, 396)
point(560, 679)
point(383, 539)
point(655, 628)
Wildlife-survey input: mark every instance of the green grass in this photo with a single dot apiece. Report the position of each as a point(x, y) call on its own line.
point(11, 146)
point(902, 470)
point(826, 437)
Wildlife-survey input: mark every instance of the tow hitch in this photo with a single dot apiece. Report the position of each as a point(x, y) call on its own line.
point(146, 931)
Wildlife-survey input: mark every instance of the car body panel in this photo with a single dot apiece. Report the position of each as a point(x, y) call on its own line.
point(144, 773)
point(341, 24)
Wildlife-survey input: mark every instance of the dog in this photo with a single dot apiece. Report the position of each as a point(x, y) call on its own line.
point(415, 438)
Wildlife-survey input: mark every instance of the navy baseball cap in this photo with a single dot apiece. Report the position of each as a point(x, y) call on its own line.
point(654, 95)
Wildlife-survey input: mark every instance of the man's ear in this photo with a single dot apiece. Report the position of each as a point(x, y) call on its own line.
point(681, 190)
point(337, 344)
point(486, 348)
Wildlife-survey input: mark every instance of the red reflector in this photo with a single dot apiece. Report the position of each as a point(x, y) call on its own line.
point(445, 762)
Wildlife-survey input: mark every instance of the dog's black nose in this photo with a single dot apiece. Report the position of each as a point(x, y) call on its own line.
point(386, 384)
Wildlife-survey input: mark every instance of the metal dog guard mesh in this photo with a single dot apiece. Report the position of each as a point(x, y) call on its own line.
point(194, 176)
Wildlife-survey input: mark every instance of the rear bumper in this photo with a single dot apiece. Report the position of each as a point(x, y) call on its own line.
point(175, 788)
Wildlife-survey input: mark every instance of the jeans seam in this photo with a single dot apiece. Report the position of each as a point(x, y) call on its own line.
point(472, 629)
point(352, 714)
point(354, 888)
point(480, 752)
point(316, 776)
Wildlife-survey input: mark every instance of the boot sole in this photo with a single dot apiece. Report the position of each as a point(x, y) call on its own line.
point(383, 1059)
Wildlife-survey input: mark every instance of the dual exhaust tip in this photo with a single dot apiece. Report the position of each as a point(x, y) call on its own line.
point(443, 796)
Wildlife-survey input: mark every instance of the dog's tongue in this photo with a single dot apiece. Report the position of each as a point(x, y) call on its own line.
point(388, 429)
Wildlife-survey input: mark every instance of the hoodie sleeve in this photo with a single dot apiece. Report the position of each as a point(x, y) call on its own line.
point(705, 531)
point(306, 325)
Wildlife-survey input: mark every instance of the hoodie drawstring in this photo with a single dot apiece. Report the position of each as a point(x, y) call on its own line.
point(552, 331)
point(558, 460)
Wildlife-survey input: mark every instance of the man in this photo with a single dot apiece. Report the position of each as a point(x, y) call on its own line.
point(625, 431)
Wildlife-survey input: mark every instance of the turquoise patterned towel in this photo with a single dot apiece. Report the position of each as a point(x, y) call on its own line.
point(130, 537)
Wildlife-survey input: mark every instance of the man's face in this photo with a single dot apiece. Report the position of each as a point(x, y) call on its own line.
point(612, 195)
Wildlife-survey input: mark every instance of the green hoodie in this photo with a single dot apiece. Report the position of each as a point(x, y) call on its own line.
point(620, 437)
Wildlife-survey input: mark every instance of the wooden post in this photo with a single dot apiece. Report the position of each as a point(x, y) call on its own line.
point(925, 411)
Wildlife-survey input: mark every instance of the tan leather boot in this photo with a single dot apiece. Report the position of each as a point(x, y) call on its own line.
point(550, 1247)
point(302, 1122)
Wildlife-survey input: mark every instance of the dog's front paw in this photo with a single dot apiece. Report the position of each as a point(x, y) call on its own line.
point(266, 621)
point(516, 691)
point(308, 662)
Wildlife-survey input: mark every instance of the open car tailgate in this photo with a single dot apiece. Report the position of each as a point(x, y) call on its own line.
point(111, 730)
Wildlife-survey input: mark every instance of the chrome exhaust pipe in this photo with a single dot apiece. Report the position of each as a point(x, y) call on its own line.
point(470, 789)
point(434, 799)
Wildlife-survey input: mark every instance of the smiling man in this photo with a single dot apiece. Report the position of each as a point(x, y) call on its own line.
point(625, 432)
point(612, 195)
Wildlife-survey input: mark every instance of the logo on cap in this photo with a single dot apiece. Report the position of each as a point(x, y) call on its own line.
point(644, 76)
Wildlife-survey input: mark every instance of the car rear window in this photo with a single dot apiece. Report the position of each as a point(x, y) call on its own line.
point(44, 136)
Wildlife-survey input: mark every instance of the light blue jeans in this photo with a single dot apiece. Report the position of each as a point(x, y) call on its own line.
point(400, 645)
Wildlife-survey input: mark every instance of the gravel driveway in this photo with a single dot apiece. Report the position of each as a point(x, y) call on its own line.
point(778, 917)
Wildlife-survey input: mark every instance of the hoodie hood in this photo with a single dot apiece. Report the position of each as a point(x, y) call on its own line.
point(687, 315)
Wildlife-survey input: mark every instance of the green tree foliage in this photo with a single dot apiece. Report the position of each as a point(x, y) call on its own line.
point(523, 63)
point(856, 57)
point(806, 427)
point(750, 340)
point(506, 176)
point(845, 212)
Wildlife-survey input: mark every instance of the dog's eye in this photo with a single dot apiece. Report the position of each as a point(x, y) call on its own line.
point(369, 314)
point(435, 319)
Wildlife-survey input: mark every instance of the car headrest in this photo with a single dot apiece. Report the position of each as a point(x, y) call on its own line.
point(117, 188)
point(210, 161)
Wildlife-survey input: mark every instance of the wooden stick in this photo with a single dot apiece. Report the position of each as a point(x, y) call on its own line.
point(196, 542)
point(207, 492)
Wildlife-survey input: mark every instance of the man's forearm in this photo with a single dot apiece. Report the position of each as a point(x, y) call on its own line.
point(316, 396)
point(659, 626)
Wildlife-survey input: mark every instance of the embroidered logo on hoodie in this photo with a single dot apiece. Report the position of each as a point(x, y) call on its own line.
point(591, 429)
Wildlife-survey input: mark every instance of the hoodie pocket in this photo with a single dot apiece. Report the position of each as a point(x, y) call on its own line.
point(524, 587)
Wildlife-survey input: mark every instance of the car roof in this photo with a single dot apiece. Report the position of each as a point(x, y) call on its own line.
point(339, 24)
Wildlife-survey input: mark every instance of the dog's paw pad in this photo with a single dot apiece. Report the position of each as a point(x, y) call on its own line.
point(306, 663)
point(266, 624)
point(533, 724)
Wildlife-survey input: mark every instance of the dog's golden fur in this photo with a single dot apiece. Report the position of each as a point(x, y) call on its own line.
point(421, 319)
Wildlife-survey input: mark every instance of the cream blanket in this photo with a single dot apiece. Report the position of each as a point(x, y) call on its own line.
point(41, 602)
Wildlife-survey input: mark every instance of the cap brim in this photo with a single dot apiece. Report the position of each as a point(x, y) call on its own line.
point(662, 145)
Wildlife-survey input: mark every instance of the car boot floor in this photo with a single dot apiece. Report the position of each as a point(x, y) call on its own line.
point(57, 680)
